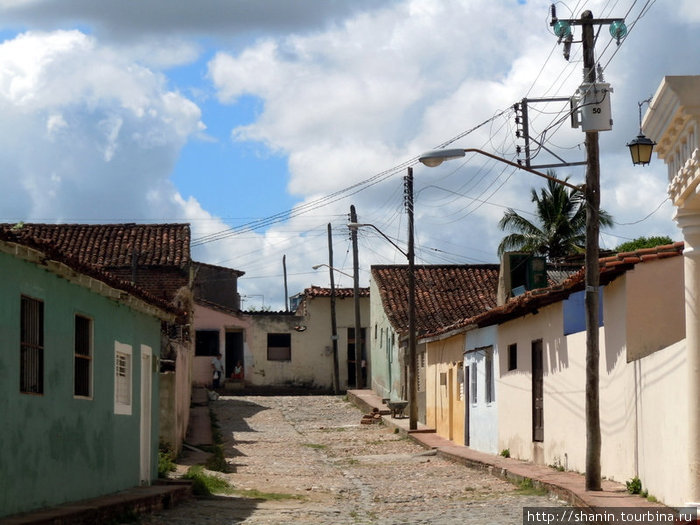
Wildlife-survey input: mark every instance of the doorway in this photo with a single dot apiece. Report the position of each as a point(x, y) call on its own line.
point(352, 356)
point(537, 392)
point(467, 402)
point(146, 416)
point(234, 351)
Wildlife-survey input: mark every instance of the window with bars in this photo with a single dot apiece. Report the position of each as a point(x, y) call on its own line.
point(31, 368)
point(122, 379)
point(421, 372)
point(488, 363)
point(82, 380)
point(512, 356)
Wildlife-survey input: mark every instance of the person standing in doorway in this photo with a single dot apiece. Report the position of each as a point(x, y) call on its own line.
point(238, 372)
point(218, 370)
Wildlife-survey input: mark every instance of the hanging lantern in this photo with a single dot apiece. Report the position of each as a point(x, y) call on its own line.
point(641, 147)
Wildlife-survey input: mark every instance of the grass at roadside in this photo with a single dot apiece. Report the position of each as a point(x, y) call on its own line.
point(205, 484)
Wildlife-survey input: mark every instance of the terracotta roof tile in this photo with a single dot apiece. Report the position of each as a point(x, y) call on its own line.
point(162, 250)
point(611, 267)
point(113, 245)
point(52, 252)
point(318, 291)
point(444, 293)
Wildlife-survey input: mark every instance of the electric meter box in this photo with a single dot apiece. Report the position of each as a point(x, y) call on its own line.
point(594, 105)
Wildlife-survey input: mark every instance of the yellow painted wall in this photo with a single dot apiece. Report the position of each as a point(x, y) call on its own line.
point(444, 400)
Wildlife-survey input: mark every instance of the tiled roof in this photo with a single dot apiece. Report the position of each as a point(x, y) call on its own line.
point(444, 293)
point(318, 291)
point(647, 254)
point(113, 245)
point(162, 250)
point(51, 252)
point(611, 267)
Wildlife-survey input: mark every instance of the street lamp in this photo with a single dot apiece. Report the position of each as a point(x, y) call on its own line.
point(357, 225)
point(410, 255)
point(317, 266)
point(334, 329)
point(641, 147)
point(436, 157)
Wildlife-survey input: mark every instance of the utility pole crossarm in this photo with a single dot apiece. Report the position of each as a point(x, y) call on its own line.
point(593, 21)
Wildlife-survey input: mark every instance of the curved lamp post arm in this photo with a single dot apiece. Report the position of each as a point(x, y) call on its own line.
point(436, 157)
point(317, 266)
point(357, 225)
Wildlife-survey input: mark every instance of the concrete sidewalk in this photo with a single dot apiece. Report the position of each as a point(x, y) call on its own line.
point(569, 486)
point(106, 509)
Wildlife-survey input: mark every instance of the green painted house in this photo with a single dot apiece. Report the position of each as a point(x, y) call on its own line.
point(79, 352)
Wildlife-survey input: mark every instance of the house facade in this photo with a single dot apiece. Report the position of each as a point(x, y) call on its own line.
point(220, 326)
point(219, 329)
point(482, 367)
point(444, 387)
point(445, 295)
point(387, 363)
point(79, 378)
point(156, 258)
point(314, 305)
point(540, 383)
point(281, 355)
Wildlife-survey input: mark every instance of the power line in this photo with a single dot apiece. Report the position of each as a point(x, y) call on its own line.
point(645, 218)
point(331, 198)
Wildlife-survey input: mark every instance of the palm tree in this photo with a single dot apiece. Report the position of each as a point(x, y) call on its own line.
point(560, 228)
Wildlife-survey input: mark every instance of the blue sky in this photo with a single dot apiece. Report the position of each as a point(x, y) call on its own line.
point(225, 113)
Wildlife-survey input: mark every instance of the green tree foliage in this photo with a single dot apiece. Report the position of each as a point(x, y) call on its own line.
point(559, 228)
point(643, 242)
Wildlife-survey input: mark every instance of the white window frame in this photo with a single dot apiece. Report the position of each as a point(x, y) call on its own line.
point(123, 382)
point(473, 379)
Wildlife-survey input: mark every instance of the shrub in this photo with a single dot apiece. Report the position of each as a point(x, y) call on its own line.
point(505, 452)
point(165, 460)
point(634, 486)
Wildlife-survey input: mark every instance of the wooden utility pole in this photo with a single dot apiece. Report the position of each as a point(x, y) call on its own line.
point(286, 291)
point(592, 278)
point(412, 364)
point(359, 340)
point(334, 327)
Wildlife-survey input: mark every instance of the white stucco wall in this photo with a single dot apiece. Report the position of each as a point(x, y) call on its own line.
point(562, 369)
point(310, 365)
point(318, 340)
point(643, 402)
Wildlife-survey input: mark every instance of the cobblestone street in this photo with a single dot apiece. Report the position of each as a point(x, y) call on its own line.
point(326, 468)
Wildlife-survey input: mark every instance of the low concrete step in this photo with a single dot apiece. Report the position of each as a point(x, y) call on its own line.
point(231, 385)
point(199, 432)
point(200, 396)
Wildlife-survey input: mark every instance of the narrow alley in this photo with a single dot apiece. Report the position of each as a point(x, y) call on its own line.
point(307, 459)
